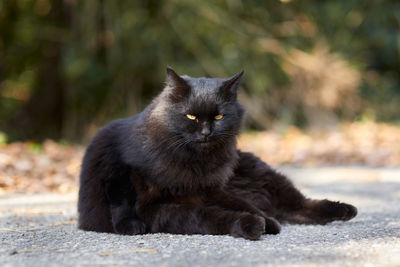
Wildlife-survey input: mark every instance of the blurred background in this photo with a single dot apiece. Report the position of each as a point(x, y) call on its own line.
point(321, 84)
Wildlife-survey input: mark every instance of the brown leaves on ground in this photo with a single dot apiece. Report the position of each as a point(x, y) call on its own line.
point(27, 167)
point(368, 144)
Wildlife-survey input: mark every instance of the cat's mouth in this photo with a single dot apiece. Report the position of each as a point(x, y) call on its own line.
point(205, 142)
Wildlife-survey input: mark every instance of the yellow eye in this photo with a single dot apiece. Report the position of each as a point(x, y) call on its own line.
point(218, 117)
point(191, 117)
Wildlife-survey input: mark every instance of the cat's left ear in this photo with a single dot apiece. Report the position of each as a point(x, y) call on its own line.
point(179, 88)
point(230, 85)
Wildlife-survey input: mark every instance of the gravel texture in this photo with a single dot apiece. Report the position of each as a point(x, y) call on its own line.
point(40, 230)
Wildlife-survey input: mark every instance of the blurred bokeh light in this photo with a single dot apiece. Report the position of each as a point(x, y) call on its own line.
point(321, 84)
point(69, 66)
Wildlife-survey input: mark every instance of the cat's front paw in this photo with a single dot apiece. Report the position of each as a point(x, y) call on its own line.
point(130, 227)
point(249, 227)
point(272, 226)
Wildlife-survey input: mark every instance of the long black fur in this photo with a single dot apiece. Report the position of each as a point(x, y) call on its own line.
point(159, 171)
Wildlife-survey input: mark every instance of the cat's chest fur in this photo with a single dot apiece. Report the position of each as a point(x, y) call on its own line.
point(180, 174)
point(191, 174)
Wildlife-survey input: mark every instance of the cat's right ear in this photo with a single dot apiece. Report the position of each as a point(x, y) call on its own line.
point(179, 88)
point(230, 85)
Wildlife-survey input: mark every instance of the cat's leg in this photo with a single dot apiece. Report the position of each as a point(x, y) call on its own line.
point(235, 203)
point(321, 212)
point(125, 221)
point(122, 197)
point(288, 203)
point(191, 219)
point(293, 206)
point(197, 219)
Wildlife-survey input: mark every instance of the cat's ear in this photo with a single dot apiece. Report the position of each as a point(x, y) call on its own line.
point(179, 88)
point(231, 84)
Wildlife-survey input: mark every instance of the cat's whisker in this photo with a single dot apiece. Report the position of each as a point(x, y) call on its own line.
point(176, 144)
point(185, 142)
point(166, 141)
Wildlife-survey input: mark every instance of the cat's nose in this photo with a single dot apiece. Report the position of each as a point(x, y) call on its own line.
point(205, 131)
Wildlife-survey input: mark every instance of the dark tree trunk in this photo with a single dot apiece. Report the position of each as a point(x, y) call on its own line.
point(42, 116)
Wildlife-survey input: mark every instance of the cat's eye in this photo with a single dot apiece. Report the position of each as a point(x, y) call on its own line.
point(219, 116)
point(191, 117)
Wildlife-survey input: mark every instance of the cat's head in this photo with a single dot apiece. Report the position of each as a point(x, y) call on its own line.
point(202, 111)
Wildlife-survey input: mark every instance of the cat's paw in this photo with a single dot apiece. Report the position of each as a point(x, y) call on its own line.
point(130, 227)
point(249, 227)
point(272, 226)
point(331, 211)
point(347, 211)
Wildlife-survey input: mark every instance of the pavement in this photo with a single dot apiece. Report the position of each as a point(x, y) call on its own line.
point(40, 230)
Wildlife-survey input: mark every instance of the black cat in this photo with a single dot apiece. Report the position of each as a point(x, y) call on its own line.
point(175, 168)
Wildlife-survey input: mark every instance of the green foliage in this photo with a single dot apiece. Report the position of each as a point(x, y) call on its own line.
point(35, 147)
point(81, 63)
point(3, 138)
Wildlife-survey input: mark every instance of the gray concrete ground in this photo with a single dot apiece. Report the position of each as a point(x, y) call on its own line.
point(40, 230)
